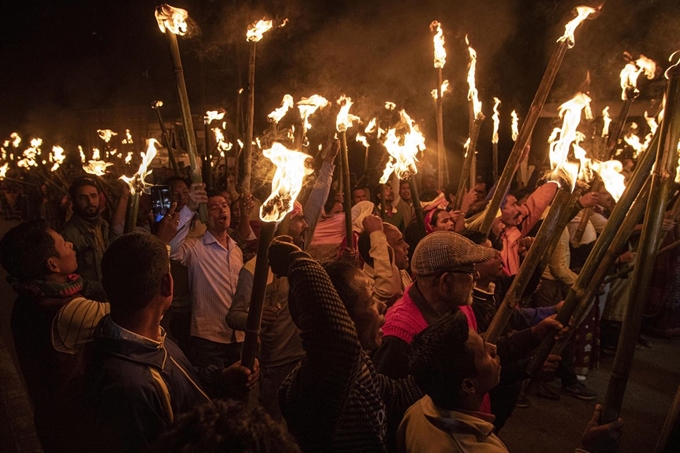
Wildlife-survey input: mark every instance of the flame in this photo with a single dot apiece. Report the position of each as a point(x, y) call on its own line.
point(677, 170)
point(582, 13)
point(570, 112)
point(256, 30)
point(3, 170)
point(631, 72)
point(96, 155)
point(651, 122)
point(496, 120)
point(606, 120)
point(96, 167)
point(219, 138)
point(83, 159)
point(30, 154)
point(156, 104)
point(172, 19)
point(136, 182)
point(240, 143)
point(286, 183)
point(445, 87)
point(472, 92)
point(439, 51)
point(308, 106)
point(16, 140)
point(212, 115)
point(390, 105)
point(515, 125)
point(670, 68)
point(345, 119)
point(106, 134)
point(403, 147)
point(57, 156)
point(128, 158)
point(610, 172)
point(361, 138)
point(128, 138)
point(278, 114)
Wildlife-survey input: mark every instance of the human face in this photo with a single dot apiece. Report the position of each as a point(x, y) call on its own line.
point(510, 212)
point(492, 267)
point(86, 203)
point(297, 228)
point(396, 240)
point(369, 313)
point(458, 288)
point(179, 193)
point(444, 222)
point(65, 263)
point(337, 208)
point(358, 195)
point(487, 363)
point(219, 214)
point(389, 193)
point(405, 191)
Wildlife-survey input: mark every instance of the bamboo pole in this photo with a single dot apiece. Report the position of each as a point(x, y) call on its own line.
point(441, 170)
point(131, 212)
point(156, 106)
point(417, 207)
point(250, 119)
point(596, 255)
point(495, 161)
point(185, 110)
point(469, 156)
point(531, 261)
point(348, 195)
point(251, 342)
point(670, 425)
point(661, 187)
point(207, 169)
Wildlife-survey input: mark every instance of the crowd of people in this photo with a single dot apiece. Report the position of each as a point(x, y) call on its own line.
point(374, 342)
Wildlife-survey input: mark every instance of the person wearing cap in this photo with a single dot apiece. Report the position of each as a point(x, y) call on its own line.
point(443, 267)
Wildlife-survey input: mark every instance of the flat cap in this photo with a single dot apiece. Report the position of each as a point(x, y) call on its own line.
point(443, 251)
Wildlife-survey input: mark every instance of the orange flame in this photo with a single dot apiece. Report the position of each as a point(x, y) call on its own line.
point(390, 105)
point(610, 172)
point(30, 154)
point(156, 104)
point(582, 13)
point(361, 138)
point(106, 134)
point(128, 158)
point(256, 30)
point(677, 170)
point(345, 119)
point(3, 170)
point(286, 104)
point(403, 147)
point(496, 120)
point(16, 140)
point(219, 138)
point(630, 74)
point(308, 106)
point(83, 159)
point(136, 182)
point(439, 51)
point(606, 120)
point(444, 88)
point(96, 155)
point(212, 115)
point(128, 138)
point(473, 95)
point(515, 125)
point(286, 183)
point(172, 19)
point(96, 167)
point(570, 112)
point(57, 157)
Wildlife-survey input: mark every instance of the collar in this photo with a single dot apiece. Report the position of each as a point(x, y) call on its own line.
point(113, 330)
point(430, 314)
point(459, 420)
point(209, 239)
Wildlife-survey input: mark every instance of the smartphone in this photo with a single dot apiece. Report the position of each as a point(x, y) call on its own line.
point(161, 201)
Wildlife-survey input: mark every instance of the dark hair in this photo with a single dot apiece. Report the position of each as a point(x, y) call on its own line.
point(25, 249)
point(429, 195)
point(435, 214)
point(343, 276)
point(132, 268)
point(450, 190)
point(81, 182)
point(171, 179)
point(439, 359)
point(478, 238)
point(221, 426)
point(364, 246)
point(213, 193)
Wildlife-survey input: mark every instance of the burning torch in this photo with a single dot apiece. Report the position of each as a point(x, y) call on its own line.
point(137, 185)
point(342, 123)
point(439, 62)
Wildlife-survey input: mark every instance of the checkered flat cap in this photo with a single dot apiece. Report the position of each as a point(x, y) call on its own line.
point(443, 251)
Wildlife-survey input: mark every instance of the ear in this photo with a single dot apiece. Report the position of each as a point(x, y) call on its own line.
point(52, 265)
point(443, 283)
point(167, 285)
point(468, 386)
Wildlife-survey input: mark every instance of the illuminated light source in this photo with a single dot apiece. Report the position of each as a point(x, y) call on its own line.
point(286, 183)
point(496, 120)
point(106, 134)
point(582, 13)
point(403, 142)
point(136, 182)
point(172, 19)
point(444, 87)
point(439, 50)
point(345, 119)
point(279, 113)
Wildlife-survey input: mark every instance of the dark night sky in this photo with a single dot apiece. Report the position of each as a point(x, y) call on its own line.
point(63, 57)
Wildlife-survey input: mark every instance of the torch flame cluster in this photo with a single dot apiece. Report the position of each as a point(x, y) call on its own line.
point(136, 182)
point(286, 183)
point(172, 19)
point(582, 13)
point(403, 142)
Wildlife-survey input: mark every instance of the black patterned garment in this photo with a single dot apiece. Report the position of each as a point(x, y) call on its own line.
point(334, 400)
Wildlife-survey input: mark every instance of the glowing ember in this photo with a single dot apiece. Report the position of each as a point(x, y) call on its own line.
point(439, 51)
point(515, 125)
point(128, 138)
point(3, 171)
point(256, 30)
point(345, 119)
point(156, 104)
point(403, 147)
point(582, 13)
point(106, 134)
point(278, 114)
point(172, 19)
point(308, 106)
point(212, 115)
point(57, 157)
point(136, 182)
point(606, 120)
point(570, 112)
point(96, 167)
point(444, 88)
point(496, 120)
point(286, 183)
point(473, 95)
point(16, 140)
